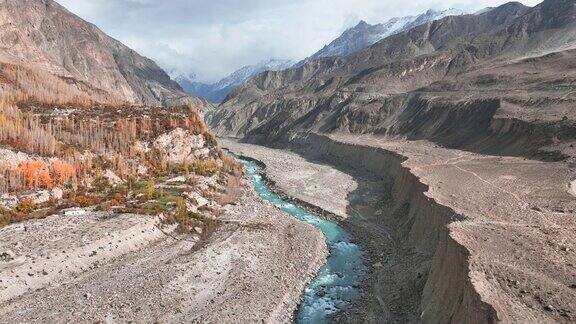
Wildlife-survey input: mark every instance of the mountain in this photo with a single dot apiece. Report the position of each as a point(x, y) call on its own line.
point(364, 34)
point(458, 69)
point(41, 36)
point(217, 92)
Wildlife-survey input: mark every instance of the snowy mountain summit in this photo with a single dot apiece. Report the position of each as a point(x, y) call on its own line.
point(363, 34)
point(352, 40)
point(243, 74)
point(217, 92)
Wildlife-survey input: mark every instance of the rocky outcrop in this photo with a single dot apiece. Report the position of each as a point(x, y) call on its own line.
point(180, 145)
point(11, 159)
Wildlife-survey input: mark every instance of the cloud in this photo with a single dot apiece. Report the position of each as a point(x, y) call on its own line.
point(212, 38)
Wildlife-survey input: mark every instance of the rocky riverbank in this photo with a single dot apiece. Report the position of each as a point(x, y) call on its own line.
point(332, 193)
point(103, 266)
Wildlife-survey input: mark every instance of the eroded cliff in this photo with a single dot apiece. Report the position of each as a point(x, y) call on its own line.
point(497, 249)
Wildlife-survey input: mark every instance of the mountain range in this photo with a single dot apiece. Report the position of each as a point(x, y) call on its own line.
point(456, 80)
point(352, 40)
point(495, 92)
point(363, 34)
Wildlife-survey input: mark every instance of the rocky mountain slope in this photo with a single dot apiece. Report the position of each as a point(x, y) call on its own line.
point(44, 37)
point(475, 74)
point(217, 92)
point(364, 34)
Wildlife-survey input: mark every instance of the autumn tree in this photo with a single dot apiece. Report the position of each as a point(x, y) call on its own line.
point(63, 172)
point(36, 174)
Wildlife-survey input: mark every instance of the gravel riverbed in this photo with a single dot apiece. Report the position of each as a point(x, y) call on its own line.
point(122, 268)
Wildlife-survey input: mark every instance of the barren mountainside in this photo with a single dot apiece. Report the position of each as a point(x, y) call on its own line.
point(41, 35)
point(460, 81)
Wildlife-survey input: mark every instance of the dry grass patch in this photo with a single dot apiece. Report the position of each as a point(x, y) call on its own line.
point(232, 192)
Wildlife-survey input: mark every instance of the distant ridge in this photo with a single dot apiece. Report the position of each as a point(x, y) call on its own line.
point(217, 92)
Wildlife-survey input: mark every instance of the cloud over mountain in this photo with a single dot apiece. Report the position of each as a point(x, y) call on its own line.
point(215, 38)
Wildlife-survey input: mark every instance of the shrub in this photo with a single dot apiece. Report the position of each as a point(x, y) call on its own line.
point(5, 217)
point(100, 184)
point(36, 174)
point(210, 139)
point(85, 201)
point(204, 167)
point(64, 172)
point(186, 167)
point(181, 216)
point(26, 206)
point(117, 200)
point(150, 190)
point(230, 165)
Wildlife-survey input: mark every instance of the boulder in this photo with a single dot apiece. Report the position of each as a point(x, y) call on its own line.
point(112, 178)
point(201, 153)
point(196, 199)
point(142, 170)
point(11, 159)
point(177, 179)
point(179, 145)
point(39, 197)
point(57, 193)
point(6, 256)
point(8, 201)
point(141, 146)
point(74, 212)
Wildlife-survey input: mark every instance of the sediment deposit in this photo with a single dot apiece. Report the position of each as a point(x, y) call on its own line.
point(107, 267)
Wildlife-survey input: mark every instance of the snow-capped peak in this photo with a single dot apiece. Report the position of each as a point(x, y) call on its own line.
point(364, 34)
point(216, 92)
point(243, 74)
point(179, 76)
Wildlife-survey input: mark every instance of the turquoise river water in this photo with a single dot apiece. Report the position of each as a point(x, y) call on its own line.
point(335, 286)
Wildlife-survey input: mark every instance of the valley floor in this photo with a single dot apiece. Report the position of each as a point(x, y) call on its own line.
point(451, 235)
point(316, 184)
point(121, 268)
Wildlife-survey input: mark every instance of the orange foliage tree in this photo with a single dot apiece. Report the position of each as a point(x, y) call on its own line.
point(36, 174)
point(63, 172)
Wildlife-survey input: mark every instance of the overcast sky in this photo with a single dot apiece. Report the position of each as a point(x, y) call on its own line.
point(212, 38)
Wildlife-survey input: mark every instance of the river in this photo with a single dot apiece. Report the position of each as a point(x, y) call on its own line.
point(335, 287)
